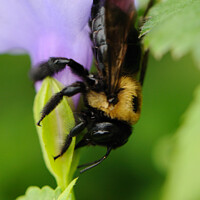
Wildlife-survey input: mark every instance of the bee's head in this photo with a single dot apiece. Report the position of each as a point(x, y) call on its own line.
point(113, 133)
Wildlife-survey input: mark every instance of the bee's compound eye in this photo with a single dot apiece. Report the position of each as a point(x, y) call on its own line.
point(101, 134)
point(102, 131)
point(113, 133)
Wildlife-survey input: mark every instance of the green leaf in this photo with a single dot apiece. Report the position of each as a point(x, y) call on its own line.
point(53, 132)
point(174, 26)
point(46, 193)
point(162, 153)
point(142, 3)
point(67, 194)
point(183, 180)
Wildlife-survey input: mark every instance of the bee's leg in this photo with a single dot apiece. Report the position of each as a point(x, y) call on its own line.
point(144, 17)
point(144, 66)
point(83, 142)
point(54, 65)
point(77, 87)
point(95, 163)
point(149, 5)
point(74, 132)
point(145, 55)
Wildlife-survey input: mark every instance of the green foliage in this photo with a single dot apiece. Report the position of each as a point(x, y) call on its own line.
point(174, 26)
point(47, 193)
point(53, 132)
point(183, 181)
point(67, 194)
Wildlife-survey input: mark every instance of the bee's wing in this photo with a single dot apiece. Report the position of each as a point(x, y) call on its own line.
point(118, 18)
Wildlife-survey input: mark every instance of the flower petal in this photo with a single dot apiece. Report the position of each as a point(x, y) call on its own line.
point(47, 28)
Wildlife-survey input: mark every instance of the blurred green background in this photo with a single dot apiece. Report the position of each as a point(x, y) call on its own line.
point(134, 171)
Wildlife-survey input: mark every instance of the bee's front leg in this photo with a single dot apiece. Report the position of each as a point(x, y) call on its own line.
point(77, 87)
point(74, 132)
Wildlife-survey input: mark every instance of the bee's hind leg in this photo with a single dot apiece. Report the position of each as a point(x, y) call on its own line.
point(144, 63)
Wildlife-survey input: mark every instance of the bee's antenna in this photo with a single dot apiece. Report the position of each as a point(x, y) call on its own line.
point(94, 164)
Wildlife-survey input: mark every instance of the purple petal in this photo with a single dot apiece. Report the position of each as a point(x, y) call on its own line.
point(47, 28)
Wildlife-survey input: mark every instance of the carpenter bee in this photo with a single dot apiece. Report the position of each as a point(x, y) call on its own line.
point(112, 96)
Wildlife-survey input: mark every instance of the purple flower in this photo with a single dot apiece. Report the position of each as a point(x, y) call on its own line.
point(47, 28)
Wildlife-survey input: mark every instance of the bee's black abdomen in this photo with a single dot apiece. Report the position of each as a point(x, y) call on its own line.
point(98, 32)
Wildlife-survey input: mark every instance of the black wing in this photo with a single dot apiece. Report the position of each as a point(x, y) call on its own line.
point(110, 26)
